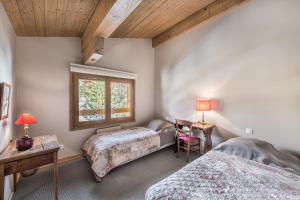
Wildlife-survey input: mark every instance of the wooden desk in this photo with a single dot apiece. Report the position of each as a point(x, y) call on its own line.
point(43, 152)
point(207, 130)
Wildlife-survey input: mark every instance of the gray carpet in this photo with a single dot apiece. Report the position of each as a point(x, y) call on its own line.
point(127, 182)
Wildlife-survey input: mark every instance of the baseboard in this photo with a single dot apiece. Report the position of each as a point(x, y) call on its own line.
point(65, 160)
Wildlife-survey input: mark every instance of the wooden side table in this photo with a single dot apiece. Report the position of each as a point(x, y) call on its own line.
point(43, 152)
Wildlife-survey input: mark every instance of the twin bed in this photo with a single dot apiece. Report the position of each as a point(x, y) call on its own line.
point(239, 168)
point(110, 149)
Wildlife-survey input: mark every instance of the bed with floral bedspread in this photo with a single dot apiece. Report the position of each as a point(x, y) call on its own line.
point(108, 150)
point(219, 176)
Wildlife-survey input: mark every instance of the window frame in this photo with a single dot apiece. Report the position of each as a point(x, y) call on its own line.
point(75, 124)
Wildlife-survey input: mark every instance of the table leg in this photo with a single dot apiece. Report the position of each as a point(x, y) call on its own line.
point(55, 176)
point(176, 145)
point(207, 141)
point(15, 181)
point(2, 181)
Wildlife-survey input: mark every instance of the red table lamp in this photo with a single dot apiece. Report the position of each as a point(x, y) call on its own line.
point(203, 105)
point(25, 142)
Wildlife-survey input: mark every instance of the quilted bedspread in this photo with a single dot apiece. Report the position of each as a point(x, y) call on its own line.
point(111, 149)
point(217, 176)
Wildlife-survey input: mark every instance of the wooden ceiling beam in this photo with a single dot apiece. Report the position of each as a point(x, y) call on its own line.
point(155, 16)
point(107, 17)
point(213, 9)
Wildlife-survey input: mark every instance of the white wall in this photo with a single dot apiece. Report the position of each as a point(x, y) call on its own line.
point(7, 55)
point(247, 60)
point(43, 82)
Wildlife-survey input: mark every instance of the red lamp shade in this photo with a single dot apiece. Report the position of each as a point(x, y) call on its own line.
point(203, 105)
point(25, 119)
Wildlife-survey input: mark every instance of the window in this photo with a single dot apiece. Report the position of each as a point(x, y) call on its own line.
point(100, 100)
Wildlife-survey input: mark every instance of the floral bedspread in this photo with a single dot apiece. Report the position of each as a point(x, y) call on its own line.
point(111, 149)
point(217, 176)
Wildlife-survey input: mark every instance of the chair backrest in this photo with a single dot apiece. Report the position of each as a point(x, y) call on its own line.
point(181, 123)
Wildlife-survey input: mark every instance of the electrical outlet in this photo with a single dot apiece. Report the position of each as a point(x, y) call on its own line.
point(249, 131)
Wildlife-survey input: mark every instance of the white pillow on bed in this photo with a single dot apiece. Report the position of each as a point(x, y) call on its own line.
point(158, 124)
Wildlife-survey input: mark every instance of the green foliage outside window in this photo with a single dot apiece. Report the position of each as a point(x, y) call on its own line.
point(119, 95)
point(91, 94)
point(119, 98)
point(92, 97)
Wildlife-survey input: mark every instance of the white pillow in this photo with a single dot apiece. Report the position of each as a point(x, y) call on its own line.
point(158, 124)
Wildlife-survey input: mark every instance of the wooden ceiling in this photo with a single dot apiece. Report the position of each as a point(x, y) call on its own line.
point(159, 20)
point(153, 17)
point(49, 17)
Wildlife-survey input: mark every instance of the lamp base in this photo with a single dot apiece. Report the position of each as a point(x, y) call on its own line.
point(24, 143)
point(202, 123)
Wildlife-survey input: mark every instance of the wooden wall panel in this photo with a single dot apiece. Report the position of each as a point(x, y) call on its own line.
point(13, 12)
point(88, 14)
point(27, 13)
point(90, 19)
point(73, 7)
point(39, 13)
point(83, 16)
point(154, 17)
point(213, 9)
point(49, 17)
point(61, 17)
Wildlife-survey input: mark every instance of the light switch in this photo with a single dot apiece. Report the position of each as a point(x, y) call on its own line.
point(249, 131)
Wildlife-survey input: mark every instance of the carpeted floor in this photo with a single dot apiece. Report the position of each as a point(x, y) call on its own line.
point(127, 182)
